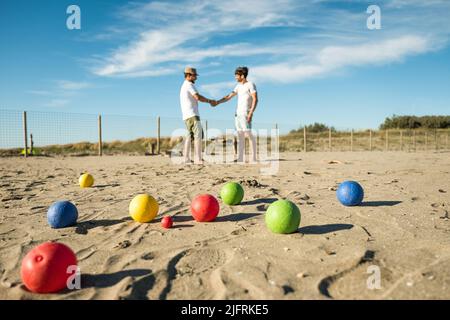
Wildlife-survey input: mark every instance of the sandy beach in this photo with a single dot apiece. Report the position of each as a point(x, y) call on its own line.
point(403, 227)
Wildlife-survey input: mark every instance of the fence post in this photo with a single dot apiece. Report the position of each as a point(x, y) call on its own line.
point(426, 140)
point(158, 135)
point(409, 141)
point(387, 140)
point(351, 140)
point(31, 144)
point(277, 137)
point(100, 143)
point(436, 143)
point(304, 139)
point(414, 140)
point(25, 133)
point(370, 140)
point(329, 138)
point(401, 140)
point(206, 134)
point(152, 148)
point(446, 139)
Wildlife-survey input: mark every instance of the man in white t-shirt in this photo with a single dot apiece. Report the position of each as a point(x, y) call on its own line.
point(189, 98)
point(247, 101)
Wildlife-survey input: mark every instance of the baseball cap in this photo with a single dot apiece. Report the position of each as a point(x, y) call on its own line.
point(190, 70)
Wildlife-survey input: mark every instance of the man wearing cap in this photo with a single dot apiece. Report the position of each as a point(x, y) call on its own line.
point(247, 101)
point(189, 98)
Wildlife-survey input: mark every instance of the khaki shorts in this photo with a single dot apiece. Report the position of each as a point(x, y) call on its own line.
point(194, 127)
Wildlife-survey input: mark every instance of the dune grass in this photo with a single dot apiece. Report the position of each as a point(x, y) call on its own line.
point(376, 140)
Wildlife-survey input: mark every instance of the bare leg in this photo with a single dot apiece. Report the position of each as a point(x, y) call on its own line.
point(252, 140)
point(187, 150)
point(198, 151)
point(241, 146)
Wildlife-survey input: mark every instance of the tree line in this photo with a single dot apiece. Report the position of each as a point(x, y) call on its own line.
point(415, 122)
point(394, 122)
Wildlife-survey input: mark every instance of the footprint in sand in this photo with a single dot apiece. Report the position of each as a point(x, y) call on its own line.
point(191, 270)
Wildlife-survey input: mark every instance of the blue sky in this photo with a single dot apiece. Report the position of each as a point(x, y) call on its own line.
point(312, 61)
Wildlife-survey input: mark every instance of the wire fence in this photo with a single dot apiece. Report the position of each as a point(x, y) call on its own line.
point(409, 140)
point(57, 133)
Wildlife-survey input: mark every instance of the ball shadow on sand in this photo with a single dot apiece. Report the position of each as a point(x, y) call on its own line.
point(236, 217)
point(101, 186)
point(326, 228)
point(182, 218)
point(259, 201)
point(85, 226)
point(106, 280)
point(379, 203)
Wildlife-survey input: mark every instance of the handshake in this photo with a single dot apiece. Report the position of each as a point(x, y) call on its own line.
point(213, 103)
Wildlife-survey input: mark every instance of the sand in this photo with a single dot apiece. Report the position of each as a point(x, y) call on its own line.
point(403, 228)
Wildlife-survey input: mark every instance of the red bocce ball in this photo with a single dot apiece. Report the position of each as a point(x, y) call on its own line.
point(45, 268)
point(205, 208)
point(167, 222)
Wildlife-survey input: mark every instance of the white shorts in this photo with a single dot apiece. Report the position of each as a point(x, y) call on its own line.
point(241, 123)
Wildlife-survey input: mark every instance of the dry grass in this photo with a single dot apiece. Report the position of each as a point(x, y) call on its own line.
point(394, 140)
point(138, 147)
point(405, 140)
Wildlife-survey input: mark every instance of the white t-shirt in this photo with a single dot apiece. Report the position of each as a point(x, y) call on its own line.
point(244, 92)
point(189, 105)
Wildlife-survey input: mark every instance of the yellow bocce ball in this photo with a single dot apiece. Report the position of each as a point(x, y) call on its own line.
point(86, 180)
point(143, 208)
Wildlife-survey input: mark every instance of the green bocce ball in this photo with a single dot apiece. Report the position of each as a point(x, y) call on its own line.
point(283, 216)
point(232, 193)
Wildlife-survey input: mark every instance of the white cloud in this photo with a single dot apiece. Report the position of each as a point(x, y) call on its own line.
point(130, 62)
point(334, 57)
point(177, 34)
point(150, 73)
point(184, 24)
point(415, 3)
point(378, 52)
